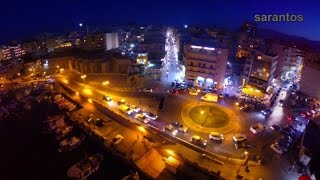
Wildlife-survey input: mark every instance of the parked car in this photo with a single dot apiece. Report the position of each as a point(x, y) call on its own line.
point(216, 136)
point(276, 148)
point(239, 137)
point(117, 139)
point(275, 127)
point(199, 141)
point(172, 92)
point(257, 128)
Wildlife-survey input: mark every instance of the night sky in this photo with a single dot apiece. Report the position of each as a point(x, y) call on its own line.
point(22, 19)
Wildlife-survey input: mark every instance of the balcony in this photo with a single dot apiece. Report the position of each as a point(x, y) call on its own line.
point(188, 59)
point(204, 74)
point(201, 67)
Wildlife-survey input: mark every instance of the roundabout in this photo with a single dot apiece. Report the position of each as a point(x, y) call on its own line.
point(208, 117)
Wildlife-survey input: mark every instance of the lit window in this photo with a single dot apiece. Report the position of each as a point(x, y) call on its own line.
point(259, 57)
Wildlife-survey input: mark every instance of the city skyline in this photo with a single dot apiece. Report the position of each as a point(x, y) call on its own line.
point(60, 17)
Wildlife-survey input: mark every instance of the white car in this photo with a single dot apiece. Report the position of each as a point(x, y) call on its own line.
point(257, 128)
point(216, 136)
point(147, 90)
point(169, 128)
point(150, 115)
point(276, 148)
point(117, 139)
point(239, 137)
point(142, 118)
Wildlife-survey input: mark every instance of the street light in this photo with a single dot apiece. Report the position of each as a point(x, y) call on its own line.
point(84, 78)
point(202, 112)
point(198, 93)
point(105, 83)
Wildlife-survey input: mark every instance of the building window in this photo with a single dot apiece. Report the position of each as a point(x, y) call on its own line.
point(191, 63)
point(219, 52)
point(211, 66)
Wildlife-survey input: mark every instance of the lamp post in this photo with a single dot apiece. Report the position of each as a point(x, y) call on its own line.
point(202, 112)
point(105, 83)
point(84, 78)
point(198, 91)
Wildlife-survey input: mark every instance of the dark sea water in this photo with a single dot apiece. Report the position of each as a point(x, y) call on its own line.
point(25, 153)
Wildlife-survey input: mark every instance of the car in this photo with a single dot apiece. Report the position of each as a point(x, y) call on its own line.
point(117, 139)
point(276, 148)
point(197, 140)
point(121, 102)
point(169, 128)
point(125, 109)
point(193, 91)
point(275, 127)
point(142, 118)
point(266, 112)
point(306, 114)
point(99, 122)
point(292, 131)
point(284, 144)
point(147, 90)
point(216, 136)
point(286, 138)
point(281, 102)
point(150, 115)
point(91, 118)
point(239, 137)
point(172, 92)
point(291, 118)
point(181, 128)
point(287, 133)
point(257, 128)
point(291, 128)
point(135, 108)
point(247, 108)
point(107, 98)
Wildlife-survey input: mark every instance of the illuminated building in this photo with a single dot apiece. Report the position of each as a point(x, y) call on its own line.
point(11, 52)
point(259, 70)
point(105, 41)
point(142, 58)
point(205, 65)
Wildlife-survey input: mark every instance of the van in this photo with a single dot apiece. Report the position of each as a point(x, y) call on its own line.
point(210, 97)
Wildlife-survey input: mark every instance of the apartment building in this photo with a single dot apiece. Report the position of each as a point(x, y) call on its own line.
point(259, 69)
point(205, 64)
point(11, 52)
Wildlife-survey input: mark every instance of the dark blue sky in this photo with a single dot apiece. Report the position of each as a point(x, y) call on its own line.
point(21, 19)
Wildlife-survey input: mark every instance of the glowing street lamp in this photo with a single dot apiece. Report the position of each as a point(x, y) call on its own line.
point(84, 78)
point(105, 83)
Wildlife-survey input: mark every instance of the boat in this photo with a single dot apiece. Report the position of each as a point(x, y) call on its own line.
point(63, 132)
point(85, 167)
point(70, 143)
point(54, 118)
point(132, 176)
